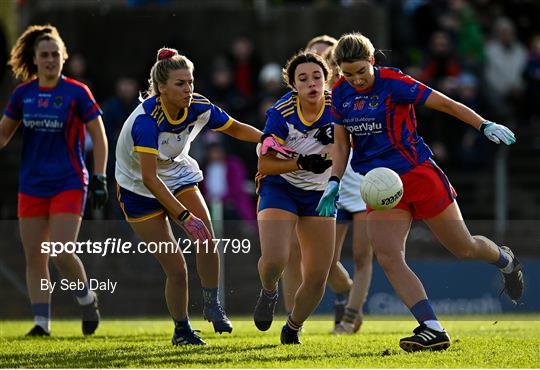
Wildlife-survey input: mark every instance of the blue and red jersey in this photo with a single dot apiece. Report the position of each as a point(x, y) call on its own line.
point(382, 122)
point(53, 121)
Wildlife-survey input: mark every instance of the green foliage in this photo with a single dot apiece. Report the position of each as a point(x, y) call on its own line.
point(509, 342)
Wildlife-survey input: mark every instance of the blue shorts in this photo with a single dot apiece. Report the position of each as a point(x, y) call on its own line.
point(137, 208)
point(289, 198)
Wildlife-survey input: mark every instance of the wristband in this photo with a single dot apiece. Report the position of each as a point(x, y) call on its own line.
point(334, 178)
point(184, 215)
point(483, 126)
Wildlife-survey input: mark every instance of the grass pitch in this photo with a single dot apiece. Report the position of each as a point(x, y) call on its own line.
point(510, 342)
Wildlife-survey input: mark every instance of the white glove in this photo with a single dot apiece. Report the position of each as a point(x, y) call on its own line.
point(497, 133)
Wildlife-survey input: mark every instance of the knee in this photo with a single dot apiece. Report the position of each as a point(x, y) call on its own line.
point(389, 261)
point(62, 260)
point(177, 274)
point(315, 282)
point(362, 259)
point(272, 263)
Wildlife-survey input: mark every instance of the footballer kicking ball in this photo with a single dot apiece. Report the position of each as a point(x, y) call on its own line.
point(381, 189)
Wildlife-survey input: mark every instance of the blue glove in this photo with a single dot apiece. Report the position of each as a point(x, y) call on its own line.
point(327, 204)
point(497, 133)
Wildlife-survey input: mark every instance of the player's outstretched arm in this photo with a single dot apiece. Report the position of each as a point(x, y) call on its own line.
point(493, 131)
point(8, 127)
point(244, 132)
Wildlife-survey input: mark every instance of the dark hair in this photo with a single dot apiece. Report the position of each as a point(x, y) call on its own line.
point(167, 60)
point(353, 47)
point(22, 55)
point(300, 58)
point(322, 39)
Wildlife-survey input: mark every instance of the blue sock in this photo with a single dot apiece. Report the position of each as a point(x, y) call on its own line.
point(42, 315)
point(210, 296)
point(422, 311)
point(182, 325)
point(81, 292)
point(341, 298)
point(503, 261)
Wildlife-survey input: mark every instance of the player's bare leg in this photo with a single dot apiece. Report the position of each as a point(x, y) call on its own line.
point(450, 229)
point(292, 275)
point(317, 237)
point(338, 278)
point(207, 263)
point(34, 231)
point(158, 229)
point(387, 231)
point(363, 266)
point(65, 228)
point(276, 228)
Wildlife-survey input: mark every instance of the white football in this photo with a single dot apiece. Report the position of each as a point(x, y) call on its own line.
point(381, 189)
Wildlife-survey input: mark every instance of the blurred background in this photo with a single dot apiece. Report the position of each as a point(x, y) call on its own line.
point(483, 53)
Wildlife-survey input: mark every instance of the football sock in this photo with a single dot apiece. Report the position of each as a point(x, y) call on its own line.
point(42, 315)
point(350, 315)
point(434, 324)
point(422, 311)
point(84, 296)
point(504, 263)
point(210, 296)
point(341, 298)
point(270, 293)
point(292, 325)
point(182, 325)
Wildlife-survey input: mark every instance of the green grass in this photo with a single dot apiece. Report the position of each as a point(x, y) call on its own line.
point(507, 343)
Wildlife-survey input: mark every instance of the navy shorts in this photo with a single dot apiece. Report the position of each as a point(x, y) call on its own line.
point(137, 208)
point(289, 198)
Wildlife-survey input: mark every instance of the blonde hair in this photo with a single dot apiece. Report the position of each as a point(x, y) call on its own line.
point(22, 55)
point(167, 60)
point(353, 47)
point(322, 39)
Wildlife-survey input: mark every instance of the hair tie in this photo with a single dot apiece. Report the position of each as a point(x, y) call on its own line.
point(166, 54)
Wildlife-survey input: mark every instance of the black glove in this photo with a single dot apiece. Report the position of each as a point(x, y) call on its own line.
point(325, 135)
point(315, 163)
point(98, 191)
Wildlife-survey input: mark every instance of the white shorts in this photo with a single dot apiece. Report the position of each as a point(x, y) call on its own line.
point(350, 199)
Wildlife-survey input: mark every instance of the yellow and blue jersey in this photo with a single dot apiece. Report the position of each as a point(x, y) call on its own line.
point(150, 129)
point(284, 120)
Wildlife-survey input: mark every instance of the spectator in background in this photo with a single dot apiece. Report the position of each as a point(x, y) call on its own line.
point(440, 61)
point(245, 68)
point(270, 82)
point(469, 38)
point(222, 89)
point(116, 110)
point(505, 63)
point(76, 68)
point(532, 79)
point(3, 54)
point(226, 181)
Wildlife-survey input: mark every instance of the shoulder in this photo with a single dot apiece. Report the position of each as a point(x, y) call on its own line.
point(285, 105)
point(339, 88)
point(24, 87)
point(200, 103)
point(393, 74)
point(76, 86)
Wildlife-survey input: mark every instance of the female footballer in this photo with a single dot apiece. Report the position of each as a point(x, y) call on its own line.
point(55, 112)
point(375, 107)
point(289, 190)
